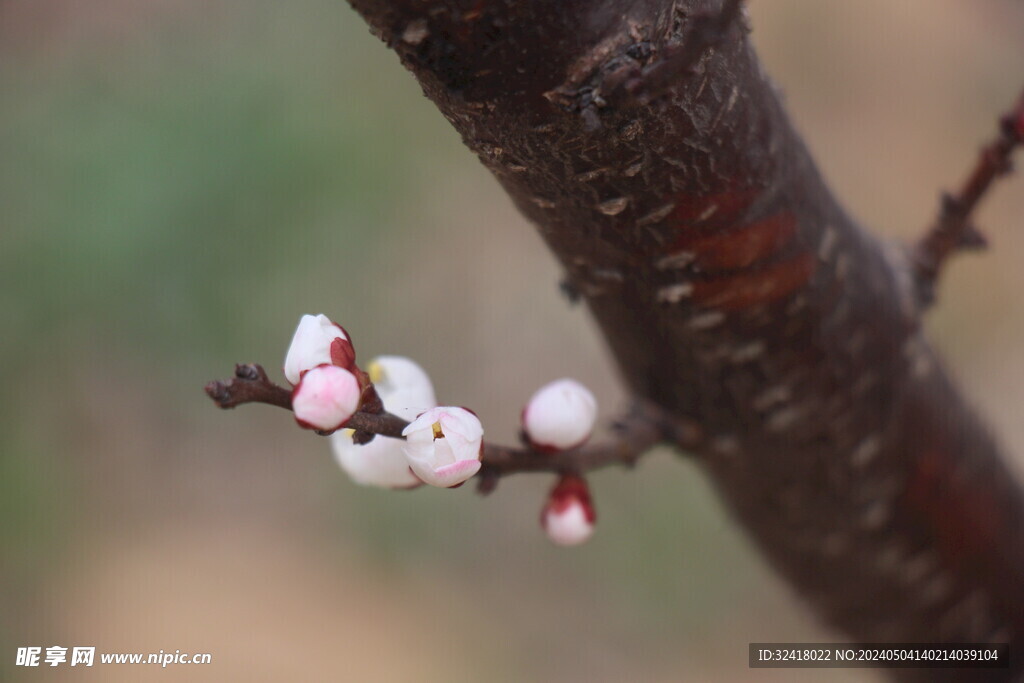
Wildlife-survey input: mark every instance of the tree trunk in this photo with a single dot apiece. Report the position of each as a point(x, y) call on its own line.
point(736, 293)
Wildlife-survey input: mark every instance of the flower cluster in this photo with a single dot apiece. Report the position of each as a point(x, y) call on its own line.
point(406, 390)
point(442, 445)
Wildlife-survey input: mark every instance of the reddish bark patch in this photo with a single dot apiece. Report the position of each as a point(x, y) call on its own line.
point(965, 521)
point(742, 247)
point(724, 208)
point(764, 285)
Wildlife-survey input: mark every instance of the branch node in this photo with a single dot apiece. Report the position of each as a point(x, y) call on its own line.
point(973, 239)
point(251, 371)
point(633, 87)
point(487, 481)
point(218, 391)
point(362, 437)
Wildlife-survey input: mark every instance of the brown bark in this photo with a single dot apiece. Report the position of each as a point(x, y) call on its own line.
point(736, 293)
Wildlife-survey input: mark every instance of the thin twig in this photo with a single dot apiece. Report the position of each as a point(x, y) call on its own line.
point(631, 436)
point(953, 229)
point(249, 385)
point(252, 385)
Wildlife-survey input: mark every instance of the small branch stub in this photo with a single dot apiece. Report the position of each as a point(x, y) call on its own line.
point(249, 385)
point(953, 229)
point(637, 88)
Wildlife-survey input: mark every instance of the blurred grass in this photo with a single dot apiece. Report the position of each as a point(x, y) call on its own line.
point(171, 182)
point(162, 177)
point(179, 181)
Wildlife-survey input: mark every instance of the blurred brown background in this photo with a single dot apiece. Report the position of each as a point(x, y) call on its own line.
point(180, 180)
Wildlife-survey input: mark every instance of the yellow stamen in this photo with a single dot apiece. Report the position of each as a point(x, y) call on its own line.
point(438, 432)
point(375, 371)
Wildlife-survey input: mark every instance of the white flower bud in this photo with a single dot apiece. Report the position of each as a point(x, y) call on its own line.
point(402, 385)
point(443, 446)
point(325, 398)
point(406, 391)
point(317, 341)
point(560, 415)
point(568, 517)
point(379, 463)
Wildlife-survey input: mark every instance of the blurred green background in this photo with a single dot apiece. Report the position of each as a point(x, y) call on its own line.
point(180, 180)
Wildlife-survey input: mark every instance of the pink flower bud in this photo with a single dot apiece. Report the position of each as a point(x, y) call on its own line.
point(444, 445)
point(379, 463)
point(325, 398)
point(560, 415)
point(317, 341)
point(568, 517)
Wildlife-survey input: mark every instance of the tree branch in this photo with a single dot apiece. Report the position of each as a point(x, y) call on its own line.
point(953, 228)
point(631, 436)
point(249, 385)
point(736, 294)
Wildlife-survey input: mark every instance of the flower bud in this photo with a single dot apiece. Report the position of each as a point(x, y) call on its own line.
point(325, 398)
point(560, 415)
point(444, 446)
point(406, 391)
point(379, 463)
point(317, 341)
point(402, 385)
point(568, 517)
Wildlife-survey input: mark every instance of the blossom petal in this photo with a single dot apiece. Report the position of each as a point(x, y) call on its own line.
point(454, 474)
point(443, 445)
point(311, 345)
point(380, 463)
point(403, 386)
